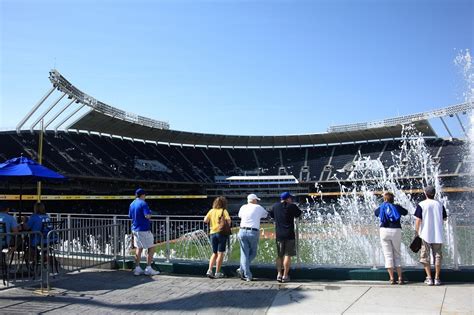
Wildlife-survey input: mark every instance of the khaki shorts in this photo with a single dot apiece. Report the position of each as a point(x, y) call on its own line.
point(433, 249)
point(143, 239)
point(286, 248)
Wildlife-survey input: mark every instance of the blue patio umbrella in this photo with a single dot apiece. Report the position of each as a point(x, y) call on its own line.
point(24, 169)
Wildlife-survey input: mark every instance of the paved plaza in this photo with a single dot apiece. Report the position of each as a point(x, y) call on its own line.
point(103, 291)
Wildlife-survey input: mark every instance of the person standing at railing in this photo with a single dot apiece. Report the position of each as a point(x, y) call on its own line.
point(140, 214)
point(219, 238)
point(249, 234)
point(430, 215)
point(391, 235)
point(284, 214)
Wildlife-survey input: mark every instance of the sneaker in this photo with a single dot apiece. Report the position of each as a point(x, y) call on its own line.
point(284, 280)
point(151, 272)
point(138, 271)
point(248, 279)
point(218, 275)
point(437, 282)
point(279, 278)
point(209, 274)
point(429, 281)
point(239, 272)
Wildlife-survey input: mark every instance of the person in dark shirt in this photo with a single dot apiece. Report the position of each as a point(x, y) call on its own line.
point(391, 236)
point(284, 214)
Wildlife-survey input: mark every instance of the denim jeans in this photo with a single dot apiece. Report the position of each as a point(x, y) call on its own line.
point(248, 250)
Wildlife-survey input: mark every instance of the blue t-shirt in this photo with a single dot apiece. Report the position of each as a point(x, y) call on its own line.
point(40, 223)
point(10, 223)
point(392, 225)
point(137, 211)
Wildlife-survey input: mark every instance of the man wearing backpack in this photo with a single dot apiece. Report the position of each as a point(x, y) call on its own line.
point(389, 215)
point(429, 215)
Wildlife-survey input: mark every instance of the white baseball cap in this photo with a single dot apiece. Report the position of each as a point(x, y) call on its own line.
point(252, 197)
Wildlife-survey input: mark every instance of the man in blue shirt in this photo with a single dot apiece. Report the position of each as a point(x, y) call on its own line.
point(140, 214)
point(8, 224)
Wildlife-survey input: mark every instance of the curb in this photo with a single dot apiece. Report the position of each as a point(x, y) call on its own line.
point(465, 275)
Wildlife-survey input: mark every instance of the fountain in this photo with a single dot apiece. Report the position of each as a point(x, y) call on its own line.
point(349, 225)
point(463, 61)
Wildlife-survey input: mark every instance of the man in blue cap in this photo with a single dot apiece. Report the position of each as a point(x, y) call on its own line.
point(140, 214)
point(284, 214)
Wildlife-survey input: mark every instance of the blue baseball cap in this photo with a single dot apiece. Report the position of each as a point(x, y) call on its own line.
point(140, 192)
point(286, 195)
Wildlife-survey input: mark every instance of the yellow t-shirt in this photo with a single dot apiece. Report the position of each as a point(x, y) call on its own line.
point(213, 216)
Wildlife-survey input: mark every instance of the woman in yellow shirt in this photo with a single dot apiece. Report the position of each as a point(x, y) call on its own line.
point(218, 241)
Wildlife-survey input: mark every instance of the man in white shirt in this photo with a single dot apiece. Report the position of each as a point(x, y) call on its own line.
point(429, 215)
point(249, 234)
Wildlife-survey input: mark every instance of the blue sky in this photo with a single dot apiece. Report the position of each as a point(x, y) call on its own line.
point(239, 67)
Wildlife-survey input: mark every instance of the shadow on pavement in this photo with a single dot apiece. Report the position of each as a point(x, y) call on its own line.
point(239, 298)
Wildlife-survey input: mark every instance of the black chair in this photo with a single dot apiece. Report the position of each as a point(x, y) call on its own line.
point(49, 225)
point(44, 249)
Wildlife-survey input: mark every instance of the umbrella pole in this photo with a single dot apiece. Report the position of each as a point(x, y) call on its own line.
point(21, 201)
point(40, 159)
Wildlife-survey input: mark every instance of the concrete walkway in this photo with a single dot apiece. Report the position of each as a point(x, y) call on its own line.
point(101, 291)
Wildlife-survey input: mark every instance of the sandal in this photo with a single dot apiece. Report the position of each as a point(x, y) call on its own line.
point(401, 281)
point(393, 282)
point(279, 278)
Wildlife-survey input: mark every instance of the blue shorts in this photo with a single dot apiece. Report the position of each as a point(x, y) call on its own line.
point(218, 242)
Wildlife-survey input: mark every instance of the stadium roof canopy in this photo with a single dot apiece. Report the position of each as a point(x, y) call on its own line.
point(100, 122)
point(105, 119)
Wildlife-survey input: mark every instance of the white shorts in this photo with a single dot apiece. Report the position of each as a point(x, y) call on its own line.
point(143, 239)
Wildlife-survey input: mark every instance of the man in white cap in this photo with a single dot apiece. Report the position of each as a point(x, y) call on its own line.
point(249, 234)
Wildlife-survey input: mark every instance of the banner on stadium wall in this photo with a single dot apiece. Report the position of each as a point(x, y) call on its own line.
point(97, 197)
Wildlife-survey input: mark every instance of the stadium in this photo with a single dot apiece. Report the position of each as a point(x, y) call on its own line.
point(107, 153)
point(337, 177)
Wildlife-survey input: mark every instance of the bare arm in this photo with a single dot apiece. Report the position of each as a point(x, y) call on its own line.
point(417, 226)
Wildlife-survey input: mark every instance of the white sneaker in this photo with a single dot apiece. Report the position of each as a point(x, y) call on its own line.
point(151, 272)
point(218, 275)
point(138, 271)
point(429, 281)
point(437, 282)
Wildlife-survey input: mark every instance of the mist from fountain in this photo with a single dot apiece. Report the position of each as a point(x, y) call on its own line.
point(463, 62)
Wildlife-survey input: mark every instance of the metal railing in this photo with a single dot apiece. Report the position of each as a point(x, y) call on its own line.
point(324, 240)
point(75, 248)
point(23, 258)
